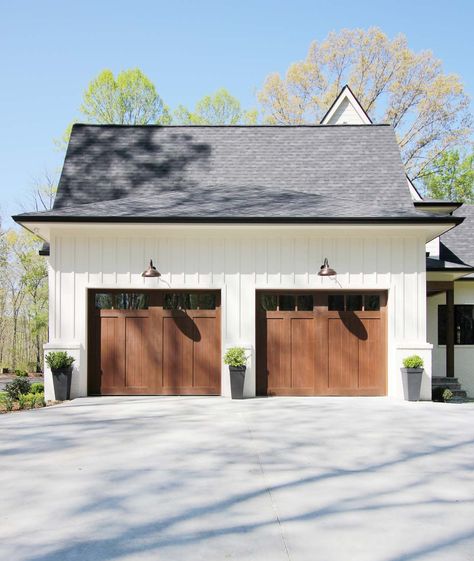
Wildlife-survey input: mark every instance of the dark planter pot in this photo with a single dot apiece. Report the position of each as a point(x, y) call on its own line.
point(412, 383)
point(62, 383)
point(237, 378)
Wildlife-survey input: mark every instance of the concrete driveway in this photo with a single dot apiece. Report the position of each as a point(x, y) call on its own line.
point(190, 479)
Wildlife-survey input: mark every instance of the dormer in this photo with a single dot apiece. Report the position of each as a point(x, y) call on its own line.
point(346, 110)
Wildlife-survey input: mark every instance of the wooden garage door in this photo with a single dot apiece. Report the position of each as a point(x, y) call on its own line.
point(319, 343)
point(154, 342)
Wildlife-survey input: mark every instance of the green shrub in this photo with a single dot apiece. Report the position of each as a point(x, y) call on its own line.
point(21, 373)
point(23, 400)
point(40, 399)
point(413, 361)
point(37, 387)
point(235, 356)
point(442, 394)
point(447, 395)
point(6, 402)
point(16, 387)
point(58, 360)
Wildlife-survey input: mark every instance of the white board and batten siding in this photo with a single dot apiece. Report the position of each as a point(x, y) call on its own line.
point(238, 261)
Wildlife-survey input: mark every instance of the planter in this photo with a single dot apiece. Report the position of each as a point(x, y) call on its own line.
point(237, 378)
point(412, 383)
point(62, 383)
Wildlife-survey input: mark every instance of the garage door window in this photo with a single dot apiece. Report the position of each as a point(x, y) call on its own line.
point(121, 301)
point(189, 301)
point(336, 303)
point(354, 302)
point(305, 303)
point(287, 302)
point(269, 302)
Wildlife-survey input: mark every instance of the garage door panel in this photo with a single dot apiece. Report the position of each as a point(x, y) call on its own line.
point(177, 353)
point(112, 353)
point(302, 353)
point(371, 355)
point(338, 348)
point(149, 342)
point(278, 361)
point(343, 355)
point(206, 357)
point(138, 350)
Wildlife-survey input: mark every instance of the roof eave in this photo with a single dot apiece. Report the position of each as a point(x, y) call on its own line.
point(455, 220)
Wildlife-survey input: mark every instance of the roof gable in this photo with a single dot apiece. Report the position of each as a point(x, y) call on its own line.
point(346, 110)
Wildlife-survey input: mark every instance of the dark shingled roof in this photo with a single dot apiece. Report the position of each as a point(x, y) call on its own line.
point(212, 173)
point(457, 245)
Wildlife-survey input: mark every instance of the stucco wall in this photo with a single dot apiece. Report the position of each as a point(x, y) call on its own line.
point(463, 354)
point(238, 261)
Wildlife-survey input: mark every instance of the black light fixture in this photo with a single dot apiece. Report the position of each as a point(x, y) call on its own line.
point(151, 271)
point(325, 270)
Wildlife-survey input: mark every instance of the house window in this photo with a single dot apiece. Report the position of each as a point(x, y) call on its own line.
point(463, 324)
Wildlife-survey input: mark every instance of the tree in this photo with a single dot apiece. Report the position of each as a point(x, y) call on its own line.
point(451, 177)
point(220, 108)
point(428, 109)
point(128, 99)
point(23, 300)
point(44, 191)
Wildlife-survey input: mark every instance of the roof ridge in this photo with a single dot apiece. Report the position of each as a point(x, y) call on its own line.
point(313, 126)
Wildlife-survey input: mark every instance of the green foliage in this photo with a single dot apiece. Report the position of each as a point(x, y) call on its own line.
point(235, 356)
point(31, 400)
point(220, 108)
point(16, 387)
point(413, 361)
point(37, 387)
point(23, 400)
point(6, 402)
point(21, 373)
point(451, 177)
point(58, 360)
point(442, 394)
point(23, 299)
point(447, 394)
point(128, 99)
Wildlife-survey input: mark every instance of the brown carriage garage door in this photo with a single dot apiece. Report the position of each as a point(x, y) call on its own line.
point(154, 342)
point(321, 343)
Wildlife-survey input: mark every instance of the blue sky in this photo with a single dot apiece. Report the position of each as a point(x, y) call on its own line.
point(50, 50)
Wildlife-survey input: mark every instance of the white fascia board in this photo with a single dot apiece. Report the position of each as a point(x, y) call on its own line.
point(413, 191)
point(47, 230)
point(445, 275)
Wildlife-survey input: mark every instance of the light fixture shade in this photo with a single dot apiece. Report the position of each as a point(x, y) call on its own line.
point(151, 271)
point(325, 270)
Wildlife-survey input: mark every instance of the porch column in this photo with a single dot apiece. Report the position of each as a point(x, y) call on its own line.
point(450, 332)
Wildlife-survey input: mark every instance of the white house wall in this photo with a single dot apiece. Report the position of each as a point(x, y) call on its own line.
point(238, 262)
point(463, 354)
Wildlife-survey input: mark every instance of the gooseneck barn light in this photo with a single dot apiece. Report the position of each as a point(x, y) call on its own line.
point(325, 270)
point(152, 271)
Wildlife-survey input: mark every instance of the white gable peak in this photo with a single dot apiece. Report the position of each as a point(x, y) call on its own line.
point(346, 110)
